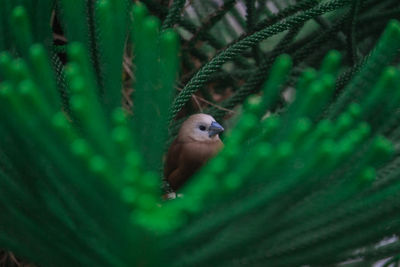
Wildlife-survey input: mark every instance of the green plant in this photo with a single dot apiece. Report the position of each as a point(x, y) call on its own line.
point(310, 181)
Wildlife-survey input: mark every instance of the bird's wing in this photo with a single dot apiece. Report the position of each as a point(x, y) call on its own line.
point(193, 156)
point(184, 159)
point(171, 163)
point(182, 162)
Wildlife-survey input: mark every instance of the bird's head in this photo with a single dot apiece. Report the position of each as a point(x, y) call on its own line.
point(200, 127)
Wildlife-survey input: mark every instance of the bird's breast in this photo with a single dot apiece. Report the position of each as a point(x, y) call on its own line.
point(185, 158)
point(200, 152)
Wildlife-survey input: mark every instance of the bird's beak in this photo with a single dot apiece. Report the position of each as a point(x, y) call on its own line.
point(215, 129)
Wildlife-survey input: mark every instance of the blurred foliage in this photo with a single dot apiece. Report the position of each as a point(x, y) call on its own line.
point(91, 93)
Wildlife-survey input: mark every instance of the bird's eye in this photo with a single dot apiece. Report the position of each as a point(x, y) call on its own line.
point(202, 127)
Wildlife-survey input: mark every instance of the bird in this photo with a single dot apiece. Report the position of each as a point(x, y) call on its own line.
point(197, 141)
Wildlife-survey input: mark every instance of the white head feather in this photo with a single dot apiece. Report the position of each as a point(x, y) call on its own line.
point(198, 127)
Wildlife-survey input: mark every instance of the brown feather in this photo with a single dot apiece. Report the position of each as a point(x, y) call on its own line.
point(171, 163)
point(187, 155)
point(184, 159)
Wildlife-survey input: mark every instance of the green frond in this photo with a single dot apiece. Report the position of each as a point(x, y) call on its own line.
point(309, 94)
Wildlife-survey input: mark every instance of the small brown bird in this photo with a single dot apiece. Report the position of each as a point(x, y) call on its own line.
point(197, 142)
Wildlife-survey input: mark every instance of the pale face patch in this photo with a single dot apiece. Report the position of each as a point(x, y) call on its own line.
point(197, 127)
